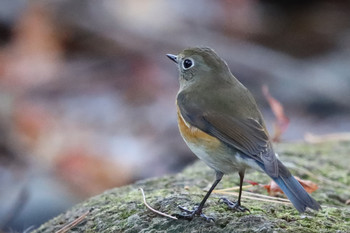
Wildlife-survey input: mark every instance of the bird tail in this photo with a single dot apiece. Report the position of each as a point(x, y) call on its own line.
point(294, 191)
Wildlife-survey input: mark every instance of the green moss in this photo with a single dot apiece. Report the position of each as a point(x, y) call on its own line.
point(122, 209)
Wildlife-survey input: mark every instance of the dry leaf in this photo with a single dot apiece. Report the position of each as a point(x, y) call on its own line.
point(273, 189)
point(282, 121)
point(34, 55)
point(251, 182)
point(32, 121)
point(90, 174)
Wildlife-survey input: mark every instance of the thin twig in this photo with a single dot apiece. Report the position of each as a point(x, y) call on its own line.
point(73, 223)
point(233, 188)
point(155, 211)
point(286, 201)
point(252, 194)
point(265, 196)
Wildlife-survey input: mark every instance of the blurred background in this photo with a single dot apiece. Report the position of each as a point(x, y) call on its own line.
point(87, 95)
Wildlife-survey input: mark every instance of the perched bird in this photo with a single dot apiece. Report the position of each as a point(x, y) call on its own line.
point(220, 122)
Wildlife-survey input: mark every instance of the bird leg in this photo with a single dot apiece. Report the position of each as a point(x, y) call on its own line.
point(236, 205)
point(197, 211)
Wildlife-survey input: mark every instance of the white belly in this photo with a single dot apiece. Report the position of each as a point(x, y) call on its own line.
point(223, 160)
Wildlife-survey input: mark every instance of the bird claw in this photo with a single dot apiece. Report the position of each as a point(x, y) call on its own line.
point(234, 205)
point(191, 213)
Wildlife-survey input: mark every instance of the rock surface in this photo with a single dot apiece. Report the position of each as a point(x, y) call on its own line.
point(122, 209)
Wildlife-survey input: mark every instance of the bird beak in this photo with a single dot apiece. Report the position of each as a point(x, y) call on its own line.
point(172, 57)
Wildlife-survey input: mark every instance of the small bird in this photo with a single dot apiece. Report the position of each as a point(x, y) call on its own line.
point(220, 122)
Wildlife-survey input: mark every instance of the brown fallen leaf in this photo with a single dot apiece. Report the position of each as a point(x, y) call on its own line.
point(88, 173)
point(282, 121)
point(273, 189)
point(34, 55)
point(32, 121)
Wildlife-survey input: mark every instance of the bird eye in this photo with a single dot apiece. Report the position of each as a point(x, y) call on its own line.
point(187, 63)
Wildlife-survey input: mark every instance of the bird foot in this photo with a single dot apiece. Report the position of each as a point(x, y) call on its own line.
point(236, 206)
point(190, 214)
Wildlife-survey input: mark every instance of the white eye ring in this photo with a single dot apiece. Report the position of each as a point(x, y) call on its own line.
point(187, 63)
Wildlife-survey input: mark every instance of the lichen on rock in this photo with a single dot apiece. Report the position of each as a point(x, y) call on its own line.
point(122, 209)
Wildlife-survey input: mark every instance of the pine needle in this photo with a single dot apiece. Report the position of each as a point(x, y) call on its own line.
point(259, 197)
point(153, 210)
point(267, 197)
point(73, 223)
point(232, 188)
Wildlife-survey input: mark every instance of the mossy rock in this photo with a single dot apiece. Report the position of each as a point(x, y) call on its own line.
point(122, 209)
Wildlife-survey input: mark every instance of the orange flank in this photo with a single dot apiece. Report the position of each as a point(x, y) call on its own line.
point(194, 135)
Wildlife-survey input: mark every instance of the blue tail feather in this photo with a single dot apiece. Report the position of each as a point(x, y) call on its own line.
point(296, 193)
point(293, 189)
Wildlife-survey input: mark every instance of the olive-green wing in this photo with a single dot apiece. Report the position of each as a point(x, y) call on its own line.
point(246, 135)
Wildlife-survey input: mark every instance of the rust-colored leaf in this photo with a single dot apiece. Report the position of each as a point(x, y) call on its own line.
point(282, 121)
point(273, 189)
point(89, 173)
point(35, 53)
point(251, 182)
